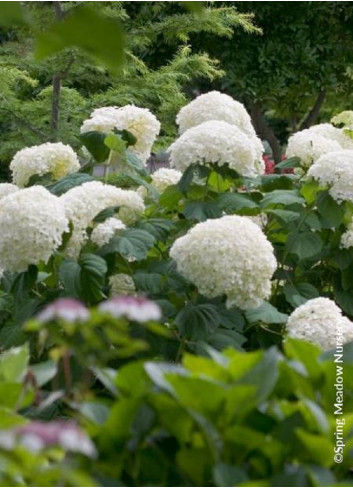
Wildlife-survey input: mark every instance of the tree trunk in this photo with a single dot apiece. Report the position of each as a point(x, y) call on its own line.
point(265, 132)
point(311, 118)
point(55, 106)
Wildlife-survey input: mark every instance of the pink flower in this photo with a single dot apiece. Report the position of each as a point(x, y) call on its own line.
point(38, 435)
point(69, 310)
point(134, 308)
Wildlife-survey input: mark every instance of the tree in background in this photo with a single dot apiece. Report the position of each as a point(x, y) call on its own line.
point(299, 68)
point(47, 99)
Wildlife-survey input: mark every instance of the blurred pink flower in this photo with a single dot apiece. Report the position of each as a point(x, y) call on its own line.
point(66, 309)
point(134, 308)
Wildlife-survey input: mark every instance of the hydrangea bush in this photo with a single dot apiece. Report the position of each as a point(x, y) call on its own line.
point(184, 323)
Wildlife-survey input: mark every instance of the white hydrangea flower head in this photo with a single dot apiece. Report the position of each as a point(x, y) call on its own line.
point(164, 177)
point(104, 231)
point(121, 284)
point(309, 146)
point(228, 256)
point(143, 125)
point(98, 123)
point(86, 201)
point(335, 169)
point(260, 219)
point(216, 142)
point(58, 159)
point(7, 189)
point(215, 106)
point(330, 132)
point(32, 222)
point(140, 122)
point(318, 321)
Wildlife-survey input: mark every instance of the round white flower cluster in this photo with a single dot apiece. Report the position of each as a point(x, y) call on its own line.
point(335, 169)
point(229, 256)
point(86, 201)
point(310, 144)
point(140, 122)
point(319, 321)
point(216, 142)
point(164, 177)
point(104, 231)
point(7, 189)
point(58, 159)
point(121, 284)
point(218, 107)
point(32, 223)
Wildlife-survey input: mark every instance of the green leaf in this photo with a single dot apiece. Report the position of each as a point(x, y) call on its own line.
point(309, 190)
point(85, 28)
point(69, 182)
point(130, 243)
point(200, 211)
point(94, 142)
point(293, 162)
point(171, 197)
point(152, 283)
point(277, 182)
point(135, 164)
point(69, 276)
point(14, 363)
point(226, 339)
point(316, 448)
point(188, 175)
point(92, 277)
point(331, 212)
point(283, 215)
point(198, 321)
point(159, 228)
point(284, 197)
point(12, 13)
point(232, 202)
point(266, 313)
point(300, 293)
point(43, 372)
point(304, 245)
point(115, 143)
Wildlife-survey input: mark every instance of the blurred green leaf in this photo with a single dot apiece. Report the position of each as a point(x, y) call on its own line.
point(84, 28)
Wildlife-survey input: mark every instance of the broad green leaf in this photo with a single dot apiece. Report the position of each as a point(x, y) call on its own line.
point(316, 448)
point(293, 162)
point(331, 212)
point(96, 412)
point(14, 363)
point(300, 293)
point(171, 197)
point(198, 321)
point(264, 374)
point(232, 202)
point(283, 215)
point(69, 276)
point(85, 28)
point(149, 282)
point(266, 313)
point(43, 372)
point(200, 211)
point(69, 182)
point(135, 164)
point(115, 143)
point(277, 182)
point(94, 142)
point(305, 244)
point(284, 197)
point(194, 7)
point(159, 228)
point(13, 13)
point(309, 190)
point(130, 243)
point(222, 339)
point(92, 277)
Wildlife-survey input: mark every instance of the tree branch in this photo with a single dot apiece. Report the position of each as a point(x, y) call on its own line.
point(310, 119)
